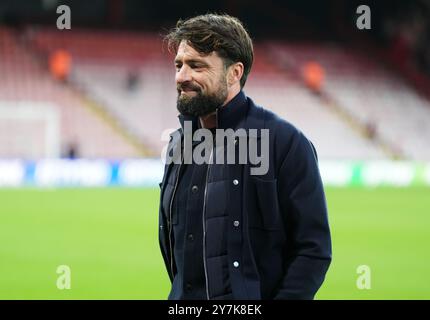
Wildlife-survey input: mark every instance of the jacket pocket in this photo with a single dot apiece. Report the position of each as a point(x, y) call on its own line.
point(267, 205)
point(166, 199)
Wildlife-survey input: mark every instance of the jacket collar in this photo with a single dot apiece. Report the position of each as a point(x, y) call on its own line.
point(233, 114)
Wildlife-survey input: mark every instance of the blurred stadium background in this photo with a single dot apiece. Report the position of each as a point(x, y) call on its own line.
point(83, 112)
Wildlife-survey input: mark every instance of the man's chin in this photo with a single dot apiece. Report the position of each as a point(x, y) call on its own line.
point(193, 103)
point(187, 95)
point(184, 99)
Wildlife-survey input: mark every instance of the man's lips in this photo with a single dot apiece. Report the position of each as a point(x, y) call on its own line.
point(188, 92)
point(188, 88)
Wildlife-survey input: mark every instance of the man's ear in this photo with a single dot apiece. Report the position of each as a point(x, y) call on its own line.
point(235, 73)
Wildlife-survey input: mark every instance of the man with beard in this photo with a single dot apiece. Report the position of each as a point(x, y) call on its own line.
point(224, 232)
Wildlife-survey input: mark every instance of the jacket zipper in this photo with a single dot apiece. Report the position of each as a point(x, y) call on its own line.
point(204, 227)
point(204, 214)
point(170, 219)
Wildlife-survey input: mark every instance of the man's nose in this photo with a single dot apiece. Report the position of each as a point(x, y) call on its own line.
point(183, 74)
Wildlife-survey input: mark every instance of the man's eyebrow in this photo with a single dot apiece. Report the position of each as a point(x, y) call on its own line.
point(190, 61)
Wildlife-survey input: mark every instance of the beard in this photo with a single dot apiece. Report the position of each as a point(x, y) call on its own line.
point(201, 104)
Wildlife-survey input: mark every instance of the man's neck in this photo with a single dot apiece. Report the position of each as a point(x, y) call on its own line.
point(209, 121)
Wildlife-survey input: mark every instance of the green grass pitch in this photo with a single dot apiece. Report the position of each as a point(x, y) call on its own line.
point(109, 239)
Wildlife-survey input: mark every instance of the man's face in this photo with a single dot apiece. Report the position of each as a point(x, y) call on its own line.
point(201, 81)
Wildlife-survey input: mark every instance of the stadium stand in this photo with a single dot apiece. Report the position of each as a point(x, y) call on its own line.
point(130, 77)
point(104, 62)
point(372, 95)
point(25, 78)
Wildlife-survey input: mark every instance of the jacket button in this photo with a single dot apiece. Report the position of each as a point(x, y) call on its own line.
point(235, 182)
point(236, 264)
point(190, 237)
point(194, 189)
point(188, 287)
point(236, 223)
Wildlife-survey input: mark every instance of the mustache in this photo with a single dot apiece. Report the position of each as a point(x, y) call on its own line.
point(188, 86)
